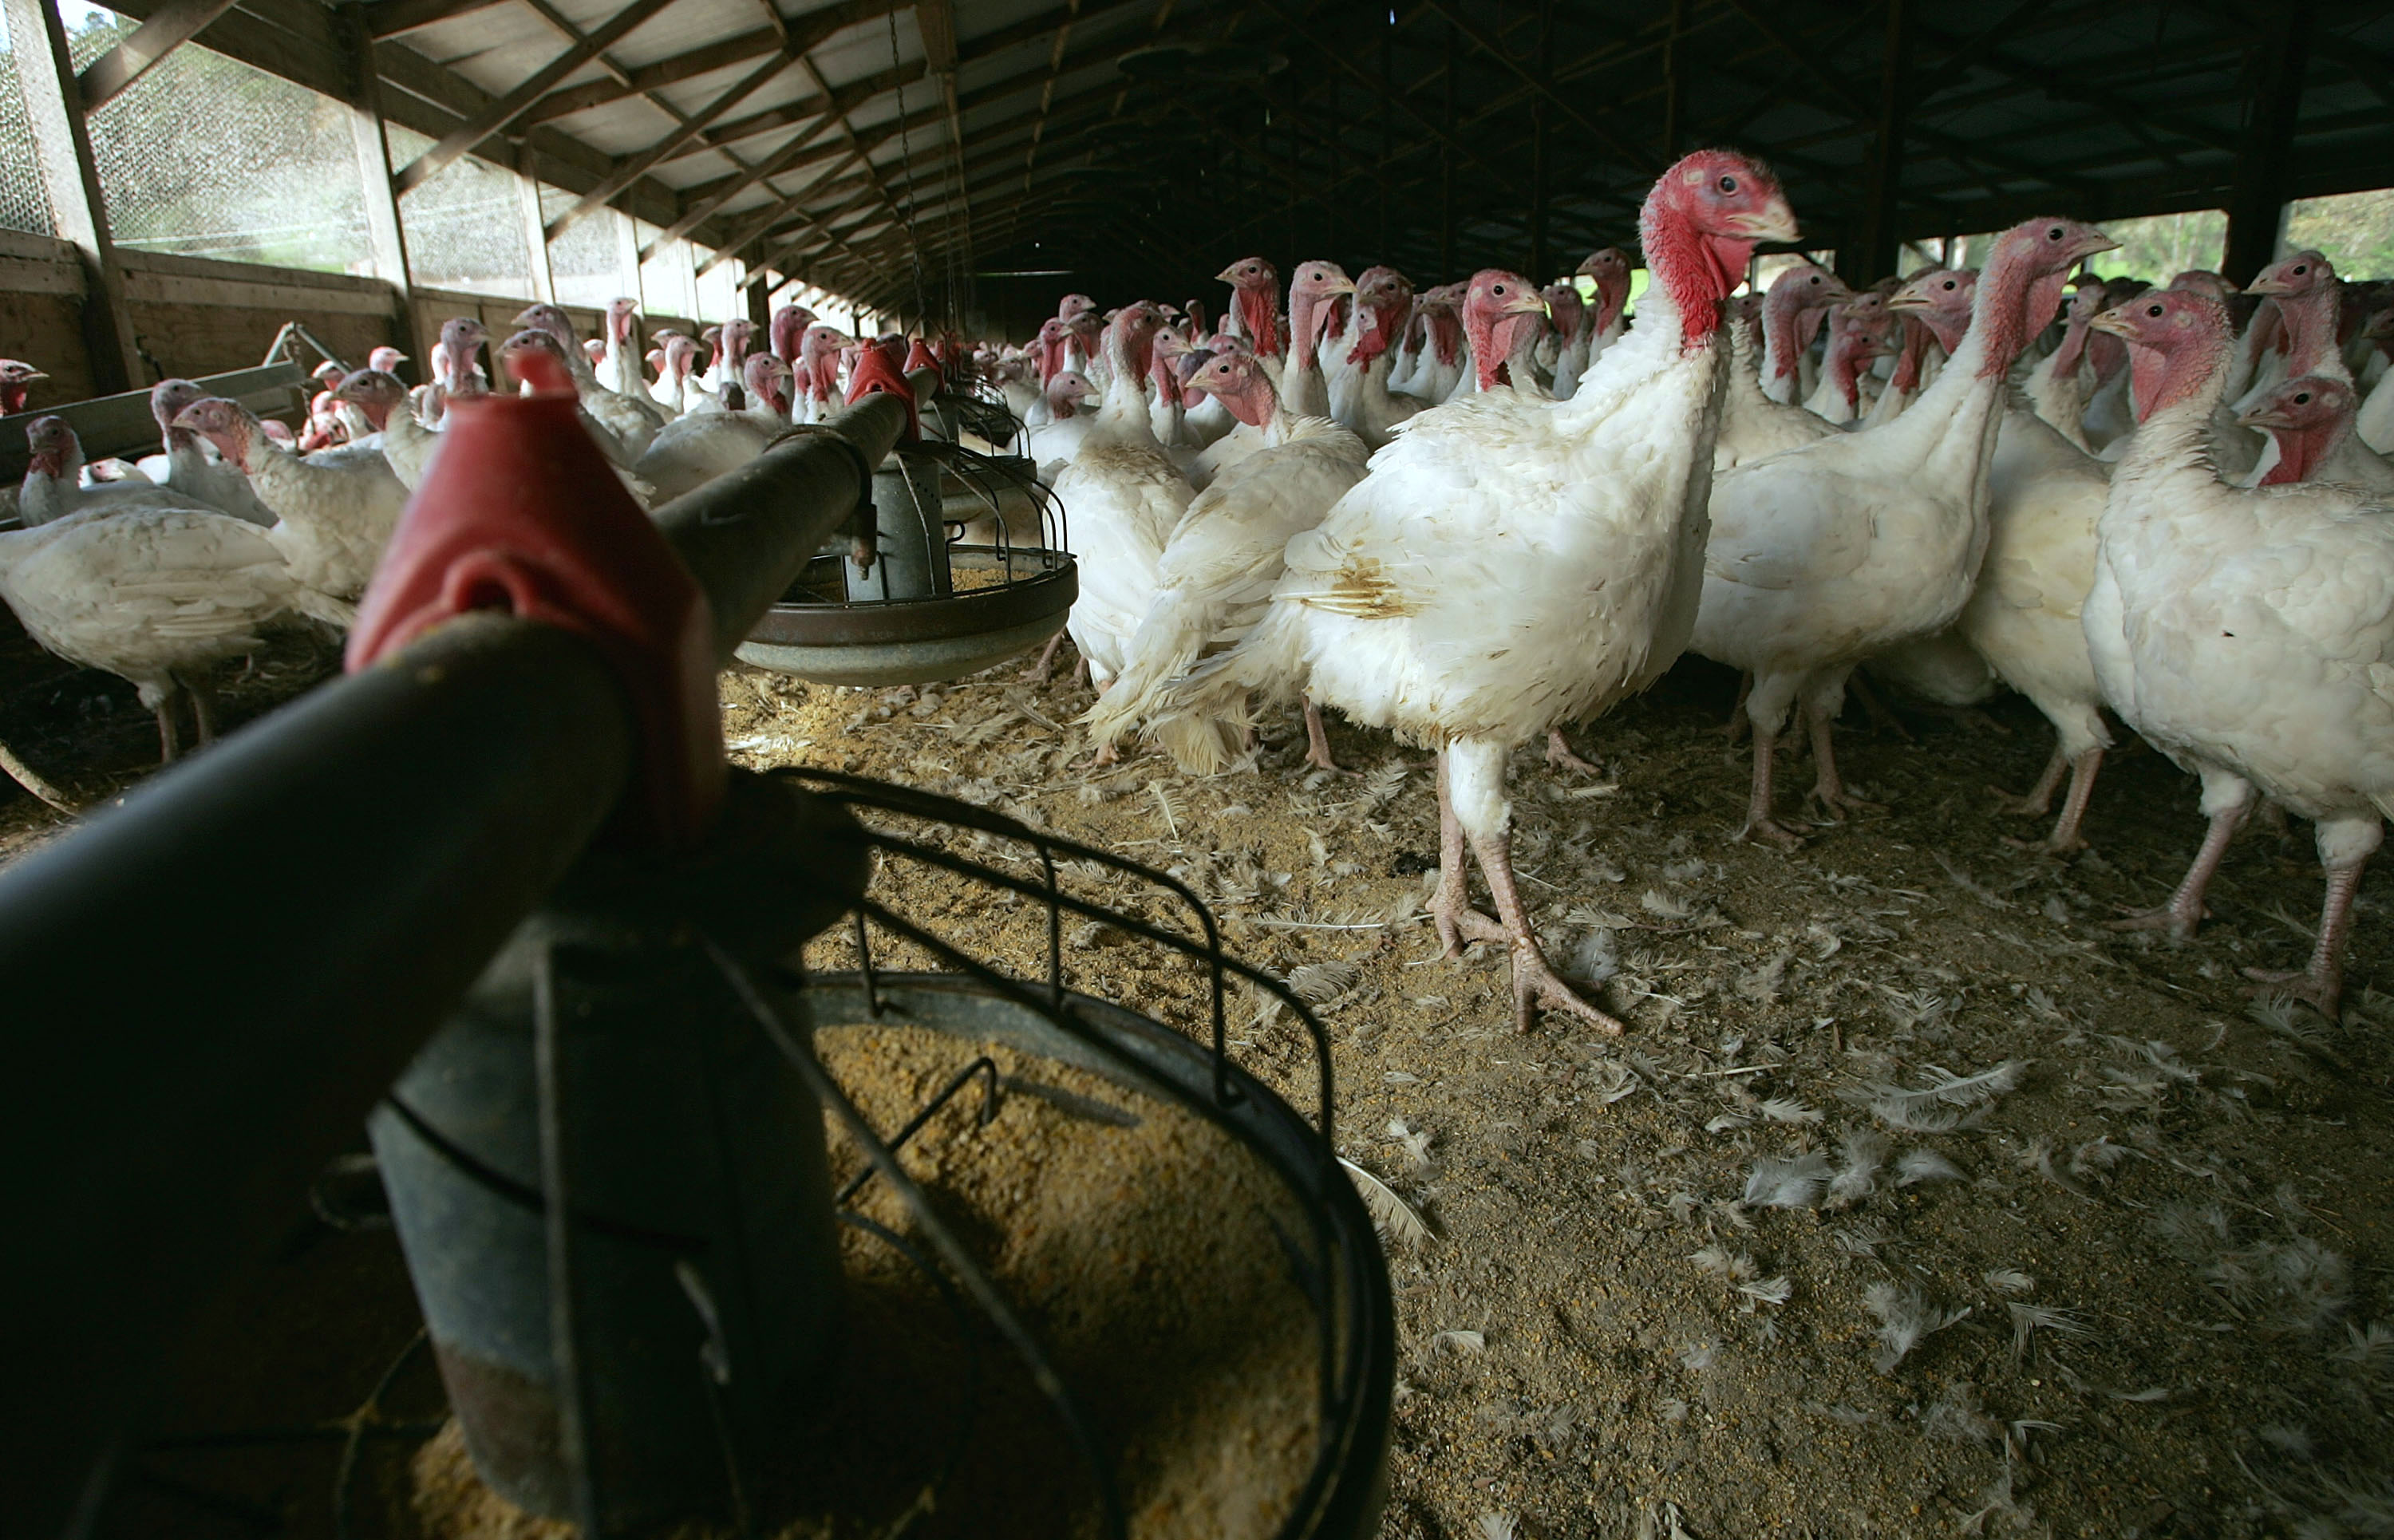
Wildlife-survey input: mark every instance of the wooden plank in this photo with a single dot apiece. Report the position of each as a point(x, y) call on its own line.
point(391, 17)
point(161, 288)
point(508, 109)
point(386, 232)
point(27, 275)
point(62, 146)
point(806, 32)
point(161, 33)
point(121, 424)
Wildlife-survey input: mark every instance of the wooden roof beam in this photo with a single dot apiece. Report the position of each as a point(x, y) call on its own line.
point(633, 168)
point(511, 107)
point(789, 39)
point(1638, 158)
point(160, 34)
point(391, 17)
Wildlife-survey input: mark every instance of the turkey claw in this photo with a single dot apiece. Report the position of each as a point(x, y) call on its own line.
point(1771, 830)
point(1537, 987)
point(1560, 755)
point(2322, 995)
point(2180, 927)
point(2020, 804)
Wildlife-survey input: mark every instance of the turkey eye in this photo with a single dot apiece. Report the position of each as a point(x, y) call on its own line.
point(2299, 271)
point(2154, 311)
point(2303, 398)
point(1729, 184)
point(2054, 234)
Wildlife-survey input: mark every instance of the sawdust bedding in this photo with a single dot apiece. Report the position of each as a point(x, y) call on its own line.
point(2133, 1284)
point(1915, 1202)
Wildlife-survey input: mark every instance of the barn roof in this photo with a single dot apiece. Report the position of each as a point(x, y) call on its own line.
point(910, 151)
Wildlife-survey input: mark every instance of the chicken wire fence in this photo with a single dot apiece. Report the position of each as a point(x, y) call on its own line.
point(465, 225)
point(23, 204)
point(206, 156)
point(587, 262)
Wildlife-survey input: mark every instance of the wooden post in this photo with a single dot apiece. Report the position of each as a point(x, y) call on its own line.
point(384, 233)
point(627, 257)
point(1872, 253)
point(2256, 199)
point(535, 228)
point(63, 144)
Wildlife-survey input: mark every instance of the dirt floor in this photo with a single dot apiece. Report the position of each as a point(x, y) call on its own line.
point(1915, 1202)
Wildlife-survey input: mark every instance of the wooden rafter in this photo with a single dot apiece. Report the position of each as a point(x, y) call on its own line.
point(166, 30)
point(685, 133)
point(1638, 157)
point(508, 109)
point(391, 17)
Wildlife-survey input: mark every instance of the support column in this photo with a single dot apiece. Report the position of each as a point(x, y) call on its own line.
point(2257, 199)
point(63, 144)
point(385, 235)
point(1446, 273)
point(1870, 254)
point(535, 228)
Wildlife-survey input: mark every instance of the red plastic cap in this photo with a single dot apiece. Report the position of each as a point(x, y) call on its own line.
point(920, 356)
point(521, 513)
point(875, 374)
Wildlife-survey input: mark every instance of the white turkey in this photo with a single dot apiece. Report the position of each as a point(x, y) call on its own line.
point(2247, 634)
point(54, 487)
point(1511, 564)
point(1364, 404)
point(1217, 569)
point(697, 447)
point(1827, 553)
point(2310, 420)
point(333, 517)
point(631, 420)
point(154, 596)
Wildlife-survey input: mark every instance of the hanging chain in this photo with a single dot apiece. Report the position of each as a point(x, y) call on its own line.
point(905, 163)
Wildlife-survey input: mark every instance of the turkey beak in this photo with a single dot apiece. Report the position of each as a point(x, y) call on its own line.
point(32, 375)
point(1775, 222)
point(2265, 417)
point(1528, 304)
point(2115, 323)
point(1907, 299)
point(2266, 284)
point(2092, 243)
point(1227, 275)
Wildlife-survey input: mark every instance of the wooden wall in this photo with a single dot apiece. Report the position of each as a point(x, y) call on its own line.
point(41, 314)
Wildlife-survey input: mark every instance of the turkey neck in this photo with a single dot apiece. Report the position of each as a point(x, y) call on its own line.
point(1123, 412)
point(2170, 453)
point(2310, 331)
point(1786, 332)
point(1950, 431)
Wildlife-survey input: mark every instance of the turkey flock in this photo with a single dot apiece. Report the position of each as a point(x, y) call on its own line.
point(1477, 515)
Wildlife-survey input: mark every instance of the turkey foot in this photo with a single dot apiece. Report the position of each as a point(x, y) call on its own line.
point(1107, 755)
point(2185, 911)
point(2065, 838)
point(1560, 755)
point(1037, 672)
point(1828, 788)
point(2322, 984)
point(2038, 799)
point(1316, 744)
point(1759, 824)
point(1536, 984)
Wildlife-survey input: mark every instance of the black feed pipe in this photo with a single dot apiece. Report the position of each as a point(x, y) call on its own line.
point(208, 985)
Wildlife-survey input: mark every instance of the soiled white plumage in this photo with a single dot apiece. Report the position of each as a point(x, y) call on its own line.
point(1122, 499)
point(143, 593)
point(335, 511)
point(2248, 633)
point(1823, 555)
point(1215, 576)
point(1752, 425)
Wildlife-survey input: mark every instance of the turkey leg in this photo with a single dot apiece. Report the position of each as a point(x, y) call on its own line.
point(1317, 743)
point(2065, 837)
point(1560, 755)
point(1533, 979)
point(203, 709)
point(2323, 982)
point(1759, 824)
point(1828, 788)
point(1458, 921)
point(2038, 799)
point(2185, 911)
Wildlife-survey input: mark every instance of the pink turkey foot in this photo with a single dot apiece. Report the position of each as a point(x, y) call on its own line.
point(1106, 756)
point(1828, 787)
point(1316, 744)
point(2322, 992)
point(1759, 824)
point(1037, 672)
point(1458, 923)
point(2038, 799)
point(2322, 984)
point(2185, 911)
point(1560, 755)
point(1536, 986)
point(2065, 838)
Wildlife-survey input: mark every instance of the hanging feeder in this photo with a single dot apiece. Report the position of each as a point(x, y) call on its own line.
point(910, 598)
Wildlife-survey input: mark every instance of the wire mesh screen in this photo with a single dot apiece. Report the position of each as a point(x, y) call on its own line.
point(23, 204)
point(585, 262)
point(465, 229)
point(206, 156)
point(665, 278)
